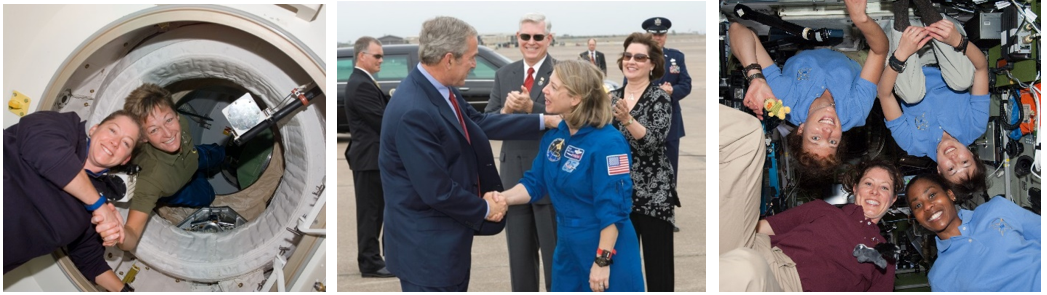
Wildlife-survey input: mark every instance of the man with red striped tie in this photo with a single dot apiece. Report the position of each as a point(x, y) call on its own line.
point(518, 89)
point(436, 163)
point(594, 56)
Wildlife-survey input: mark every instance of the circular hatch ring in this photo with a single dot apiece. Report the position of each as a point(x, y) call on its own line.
point(305, 59)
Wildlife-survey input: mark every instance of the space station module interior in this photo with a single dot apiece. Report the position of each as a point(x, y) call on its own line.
point(1006, 31)
point(229, 69)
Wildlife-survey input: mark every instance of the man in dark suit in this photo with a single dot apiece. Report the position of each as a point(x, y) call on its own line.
point(436, 163)
point(518, 89)
point(594, 56)
point(364, 105)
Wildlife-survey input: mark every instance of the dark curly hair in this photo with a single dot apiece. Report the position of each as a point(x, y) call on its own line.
point(854, 175)
point(653, 51)
point(937, 179)
point(813, 167)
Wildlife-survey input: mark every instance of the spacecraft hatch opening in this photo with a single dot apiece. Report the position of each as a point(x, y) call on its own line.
point(206, 56)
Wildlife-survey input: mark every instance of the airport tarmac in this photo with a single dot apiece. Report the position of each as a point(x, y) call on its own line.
point(490, 262)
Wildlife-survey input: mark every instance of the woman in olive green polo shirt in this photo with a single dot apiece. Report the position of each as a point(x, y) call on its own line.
point(173, 169)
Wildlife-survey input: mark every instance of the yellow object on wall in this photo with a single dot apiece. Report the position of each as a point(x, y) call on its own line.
point(18, 104)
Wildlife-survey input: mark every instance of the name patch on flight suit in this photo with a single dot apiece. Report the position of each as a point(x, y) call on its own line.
point(555, 147)
point(574, 153)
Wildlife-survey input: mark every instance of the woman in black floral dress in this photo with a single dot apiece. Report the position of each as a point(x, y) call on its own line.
point(643, 113)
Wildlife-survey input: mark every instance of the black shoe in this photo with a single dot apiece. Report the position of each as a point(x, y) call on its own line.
point(928, 15)
point(676, 229)
point(381, 273)
point(901, 15)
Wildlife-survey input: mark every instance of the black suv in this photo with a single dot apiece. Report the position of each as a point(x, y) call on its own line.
point(401, 59)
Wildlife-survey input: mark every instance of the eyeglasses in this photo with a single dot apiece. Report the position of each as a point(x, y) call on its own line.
point(377, 57)
point(537, 37)
point(639, 57)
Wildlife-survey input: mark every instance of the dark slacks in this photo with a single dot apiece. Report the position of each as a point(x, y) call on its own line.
point(656, 242)
point(198, 192)
point(530, 228)
point(370, 207)
point(406, 286)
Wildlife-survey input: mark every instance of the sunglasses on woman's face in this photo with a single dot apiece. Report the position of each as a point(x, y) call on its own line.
point(639, 57)
point(537, 37)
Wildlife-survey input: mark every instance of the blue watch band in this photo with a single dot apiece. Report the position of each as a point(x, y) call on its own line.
point(98, 204)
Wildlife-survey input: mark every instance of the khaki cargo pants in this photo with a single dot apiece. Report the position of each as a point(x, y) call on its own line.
point(747, 261)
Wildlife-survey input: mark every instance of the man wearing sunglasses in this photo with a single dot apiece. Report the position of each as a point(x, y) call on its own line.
point(518, 89)
point(364, 105)
point(676, 82)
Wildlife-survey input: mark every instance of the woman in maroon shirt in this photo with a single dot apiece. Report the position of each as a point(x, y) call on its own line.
point(813, 247)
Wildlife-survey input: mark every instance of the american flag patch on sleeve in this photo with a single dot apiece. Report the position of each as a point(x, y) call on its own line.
point(617, 164)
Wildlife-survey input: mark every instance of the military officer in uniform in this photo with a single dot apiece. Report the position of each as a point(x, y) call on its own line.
point(677, 83)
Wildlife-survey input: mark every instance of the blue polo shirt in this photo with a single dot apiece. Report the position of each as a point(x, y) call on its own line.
point(998, 249)
point(919, 130)
point(809, 73)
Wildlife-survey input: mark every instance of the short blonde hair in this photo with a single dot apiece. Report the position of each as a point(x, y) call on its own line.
point(146, 98)
point(583, 79)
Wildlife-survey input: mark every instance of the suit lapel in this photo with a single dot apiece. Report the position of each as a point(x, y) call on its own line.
point(475, 134)
point(366, 77)
point(438, 101)
point(541, 79)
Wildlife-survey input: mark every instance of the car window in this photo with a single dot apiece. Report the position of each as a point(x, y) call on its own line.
point(345, 68)
point(394, 68)
point(484, 70)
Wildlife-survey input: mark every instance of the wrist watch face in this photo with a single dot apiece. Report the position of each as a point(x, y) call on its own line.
point(896, 64)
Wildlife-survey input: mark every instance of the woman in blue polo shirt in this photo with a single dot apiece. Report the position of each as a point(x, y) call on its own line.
point(946, 121)
point(584, 167)
point(994, 248)
point(827, 92)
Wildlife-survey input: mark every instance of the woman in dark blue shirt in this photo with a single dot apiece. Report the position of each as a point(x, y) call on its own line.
point(49, 199)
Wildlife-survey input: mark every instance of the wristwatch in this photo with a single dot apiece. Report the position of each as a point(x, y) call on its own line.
point(897, 65)
point(963, 45)
point(603, 257)
point(753, 66)
point(102, 200)
point(755, 76)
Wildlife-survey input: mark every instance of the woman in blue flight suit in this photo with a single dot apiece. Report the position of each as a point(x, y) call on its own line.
point(584, 167)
